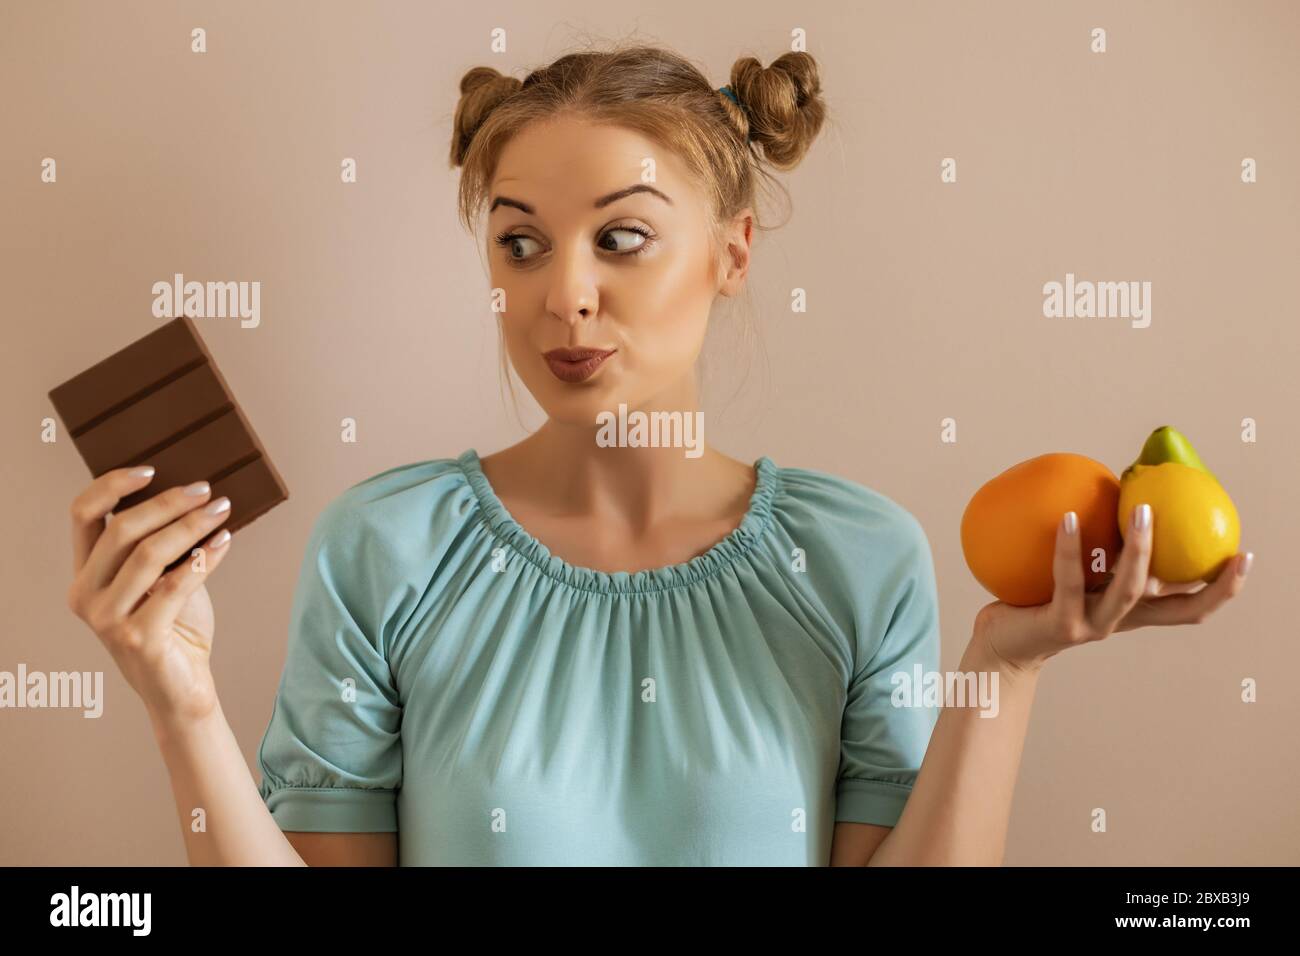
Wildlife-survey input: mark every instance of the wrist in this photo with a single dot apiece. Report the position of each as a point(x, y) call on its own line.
point(981, 654)
point(174, 733)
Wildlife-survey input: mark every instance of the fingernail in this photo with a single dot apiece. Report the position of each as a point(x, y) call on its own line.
point(1071, 522)
point(218, 539)
point(1141, 517)
point(198, 488)
point(218, 506)
point(1244, 567)
point(143, 472)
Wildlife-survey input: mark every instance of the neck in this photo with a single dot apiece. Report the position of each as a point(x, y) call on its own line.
point(628, 486)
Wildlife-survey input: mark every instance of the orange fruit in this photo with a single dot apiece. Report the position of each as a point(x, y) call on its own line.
point(1008, 531)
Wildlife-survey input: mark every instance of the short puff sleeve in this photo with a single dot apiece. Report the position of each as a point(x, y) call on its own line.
point(331, 757)
point(882, 745)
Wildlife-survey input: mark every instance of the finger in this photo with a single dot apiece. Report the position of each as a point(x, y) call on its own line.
point(174, 588)
point(1156, 587)
point(1103, 583)
point(150, 557)
point(1067, 572)
point(1194, 608)
point(129, 526)
point(1214, 575)
point(1129, 583)
point(98, 499)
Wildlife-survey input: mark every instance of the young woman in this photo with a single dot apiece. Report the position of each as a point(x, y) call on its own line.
point(578, 652)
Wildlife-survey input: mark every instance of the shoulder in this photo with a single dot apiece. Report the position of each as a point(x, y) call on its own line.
point(376, 550)
point(850, 517)
point(396, 510)
point(867, 556)
point(865, 553)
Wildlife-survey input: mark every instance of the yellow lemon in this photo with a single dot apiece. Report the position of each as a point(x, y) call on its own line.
point(1195, 528)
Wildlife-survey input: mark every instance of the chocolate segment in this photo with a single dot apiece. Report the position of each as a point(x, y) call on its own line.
point(125, 376)
point(156, 421)
point(162, 401)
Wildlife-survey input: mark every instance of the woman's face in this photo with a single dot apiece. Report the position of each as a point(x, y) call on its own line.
point(580, 269)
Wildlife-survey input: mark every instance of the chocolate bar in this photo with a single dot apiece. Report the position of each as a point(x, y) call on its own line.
point(162, 401)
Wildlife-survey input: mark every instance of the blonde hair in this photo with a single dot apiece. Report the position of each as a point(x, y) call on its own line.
point(662, 96)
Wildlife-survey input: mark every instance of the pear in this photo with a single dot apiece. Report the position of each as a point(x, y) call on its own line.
point(1197, 528)
point(1164, 444)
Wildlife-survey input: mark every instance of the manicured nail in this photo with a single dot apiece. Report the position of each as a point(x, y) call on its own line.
point(143, 472)
point(1141, 517)
point(218, 539)
point(1071, 522)
point(198, 488)
point(218, 506)
point(1244, 567)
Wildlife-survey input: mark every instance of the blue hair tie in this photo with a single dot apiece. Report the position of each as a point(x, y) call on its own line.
point(730, 94)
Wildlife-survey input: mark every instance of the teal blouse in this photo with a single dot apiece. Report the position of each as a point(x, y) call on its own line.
point(448, 678)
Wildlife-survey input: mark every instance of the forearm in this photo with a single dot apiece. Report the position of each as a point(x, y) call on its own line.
point(208, 773)
point(960, 806)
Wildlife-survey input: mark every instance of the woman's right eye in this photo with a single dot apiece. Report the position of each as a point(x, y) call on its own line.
point(509, 240)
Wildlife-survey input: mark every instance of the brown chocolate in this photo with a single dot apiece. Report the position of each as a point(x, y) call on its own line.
point(162, 401)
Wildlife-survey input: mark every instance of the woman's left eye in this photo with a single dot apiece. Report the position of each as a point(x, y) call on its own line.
point(628, 250)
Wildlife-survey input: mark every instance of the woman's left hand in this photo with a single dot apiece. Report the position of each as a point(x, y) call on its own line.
point(1025, 637)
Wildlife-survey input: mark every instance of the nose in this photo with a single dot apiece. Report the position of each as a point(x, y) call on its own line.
point(572, 294)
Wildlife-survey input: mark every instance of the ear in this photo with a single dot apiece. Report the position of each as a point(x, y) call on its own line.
point(736, 241)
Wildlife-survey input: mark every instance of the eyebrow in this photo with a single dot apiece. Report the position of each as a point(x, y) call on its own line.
point(598, 204)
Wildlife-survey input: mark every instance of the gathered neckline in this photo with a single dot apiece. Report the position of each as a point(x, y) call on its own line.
point(738, 542)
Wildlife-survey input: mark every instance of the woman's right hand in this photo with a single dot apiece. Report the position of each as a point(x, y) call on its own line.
point(157, 627)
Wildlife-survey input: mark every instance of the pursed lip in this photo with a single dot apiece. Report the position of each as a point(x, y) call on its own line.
point(576, 355)
point(574, 365)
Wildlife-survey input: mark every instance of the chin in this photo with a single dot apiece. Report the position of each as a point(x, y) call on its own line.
point(577, 405)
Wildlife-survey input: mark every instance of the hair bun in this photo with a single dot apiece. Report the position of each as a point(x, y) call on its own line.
point(481, 90)
point(782, 104)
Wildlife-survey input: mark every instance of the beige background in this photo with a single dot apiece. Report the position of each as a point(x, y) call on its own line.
point(925, 302)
